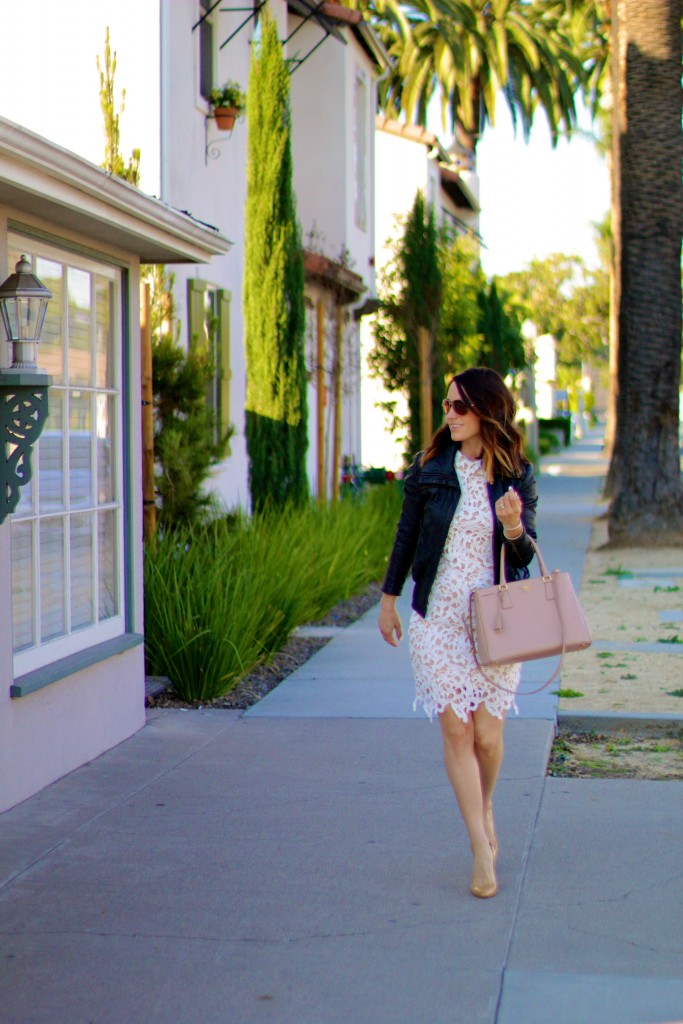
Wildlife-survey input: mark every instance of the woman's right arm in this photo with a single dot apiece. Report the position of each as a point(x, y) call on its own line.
point(389, 621)
point(401, 557)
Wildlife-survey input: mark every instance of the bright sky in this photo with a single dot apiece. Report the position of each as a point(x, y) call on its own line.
point(68, 112)
point(536, 200)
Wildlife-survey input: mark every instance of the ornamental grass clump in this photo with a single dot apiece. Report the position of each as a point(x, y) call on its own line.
point(223, 597)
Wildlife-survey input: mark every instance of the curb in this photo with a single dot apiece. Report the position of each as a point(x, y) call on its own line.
point(618, 721)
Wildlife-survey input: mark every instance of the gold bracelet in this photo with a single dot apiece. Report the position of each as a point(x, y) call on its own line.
point(517, 535)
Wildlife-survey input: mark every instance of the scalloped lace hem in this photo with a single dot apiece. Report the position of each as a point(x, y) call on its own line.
point(463, 713)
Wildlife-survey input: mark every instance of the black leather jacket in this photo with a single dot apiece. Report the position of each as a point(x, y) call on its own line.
point(430, 498)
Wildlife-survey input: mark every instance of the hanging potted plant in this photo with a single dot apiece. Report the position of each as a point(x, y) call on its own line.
point(227, 103)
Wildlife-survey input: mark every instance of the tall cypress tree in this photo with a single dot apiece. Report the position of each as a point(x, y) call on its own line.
point(273, 290)
point(421, 308)
point(502, 344)
point(411, 299)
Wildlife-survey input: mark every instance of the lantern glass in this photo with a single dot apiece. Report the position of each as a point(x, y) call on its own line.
point(23, 317)
point(23, 305)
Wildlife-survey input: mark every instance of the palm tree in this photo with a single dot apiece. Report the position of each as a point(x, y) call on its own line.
point(471, 50)
point(647, 505)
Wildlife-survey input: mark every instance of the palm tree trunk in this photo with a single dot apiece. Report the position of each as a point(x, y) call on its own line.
point(469, 134)
point(612, 480)
point(646, 507)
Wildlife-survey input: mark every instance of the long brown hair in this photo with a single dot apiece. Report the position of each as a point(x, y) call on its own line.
point(502, 440)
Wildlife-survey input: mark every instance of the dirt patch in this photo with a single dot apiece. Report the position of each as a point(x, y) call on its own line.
point(616, 756)
point(624, 607)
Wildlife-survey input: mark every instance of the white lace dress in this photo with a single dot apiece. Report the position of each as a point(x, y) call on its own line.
point(445, 671)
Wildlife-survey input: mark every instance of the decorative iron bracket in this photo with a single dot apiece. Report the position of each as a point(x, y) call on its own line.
point(211, 150)
point(23, 413)
point(253, 13)
point(313, 9)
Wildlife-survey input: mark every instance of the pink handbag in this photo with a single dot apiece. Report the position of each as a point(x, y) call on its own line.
point(527, 619)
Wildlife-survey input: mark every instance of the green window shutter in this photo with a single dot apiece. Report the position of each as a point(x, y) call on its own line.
point(224, 300)
point(197, 320)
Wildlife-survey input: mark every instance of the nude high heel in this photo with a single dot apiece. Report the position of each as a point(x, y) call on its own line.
point(484, 890)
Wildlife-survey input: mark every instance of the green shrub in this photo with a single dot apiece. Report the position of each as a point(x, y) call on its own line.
point(185, 426)
point(222, 597)
point(375, 475)
point(561, 425)
point(547, 443)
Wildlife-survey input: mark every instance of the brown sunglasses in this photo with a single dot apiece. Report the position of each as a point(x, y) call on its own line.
point(457, 405)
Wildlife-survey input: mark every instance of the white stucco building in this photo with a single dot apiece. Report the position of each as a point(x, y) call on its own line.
point(169, 54)
point(71, 655)
point(545, 376)
point(71, 626)
point(334, 98)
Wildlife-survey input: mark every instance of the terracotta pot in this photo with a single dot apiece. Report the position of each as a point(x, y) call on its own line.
point(225, 117)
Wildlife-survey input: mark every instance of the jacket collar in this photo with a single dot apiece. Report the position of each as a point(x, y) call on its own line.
point(445, 461)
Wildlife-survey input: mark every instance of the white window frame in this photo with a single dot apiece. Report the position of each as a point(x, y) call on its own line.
point(43, 653)
point(210, 21)
point(360, 147)
point(211, 338)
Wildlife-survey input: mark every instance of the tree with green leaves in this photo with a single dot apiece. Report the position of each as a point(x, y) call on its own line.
point(188, 436)
point(406, 356)
point(113, 161)
point(185, 429)
point(273, 289)
point(470, 51)
point(463, 279)
point(502, 345)
point(564, 297)
point(473, 323)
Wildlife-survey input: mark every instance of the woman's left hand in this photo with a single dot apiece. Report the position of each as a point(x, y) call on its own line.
point(509, 509)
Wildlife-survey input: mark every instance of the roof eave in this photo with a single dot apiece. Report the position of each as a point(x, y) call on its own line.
point(334, 277)
point(411, 132)
point(457, 189)
point(44, 180)
point(373, 45)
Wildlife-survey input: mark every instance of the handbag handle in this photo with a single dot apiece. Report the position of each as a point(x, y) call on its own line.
point(539, 557)
point(502, 582)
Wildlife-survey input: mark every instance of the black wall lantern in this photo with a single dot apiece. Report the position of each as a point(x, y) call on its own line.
point(23, 387)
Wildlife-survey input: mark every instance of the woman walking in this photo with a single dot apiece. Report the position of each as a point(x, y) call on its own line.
point(469, 493)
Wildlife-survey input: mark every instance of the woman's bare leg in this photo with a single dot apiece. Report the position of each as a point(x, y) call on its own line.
point(464, 774)
point(488, 747)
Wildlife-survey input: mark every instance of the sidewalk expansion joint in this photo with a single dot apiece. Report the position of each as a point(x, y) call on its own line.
point(638, 646)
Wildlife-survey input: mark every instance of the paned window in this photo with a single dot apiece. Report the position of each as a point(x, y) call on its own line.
point(206, 82)
point(67, 531)
point(209, 329)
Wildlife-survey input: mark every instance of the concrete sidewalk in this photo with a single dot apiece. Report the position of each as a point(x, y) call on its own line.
point(304, 863)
